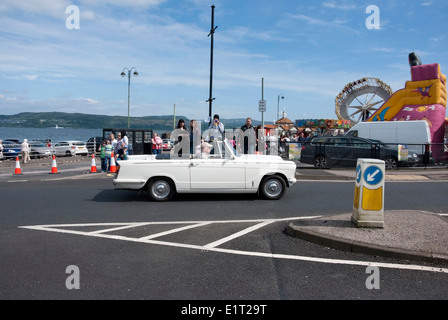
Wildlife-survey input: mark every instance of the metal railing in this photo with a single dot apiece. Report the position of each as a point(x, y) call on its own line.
point(432, 154)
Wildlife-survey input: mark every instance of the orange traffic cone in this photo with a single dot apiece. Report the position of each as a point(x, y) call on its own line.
point(93, 165)
point(113, 167)
point(54, 167)
point(18, 170)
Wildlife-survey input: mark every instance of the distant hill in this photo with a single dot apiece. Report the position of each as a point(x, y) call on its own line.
point(90, 121)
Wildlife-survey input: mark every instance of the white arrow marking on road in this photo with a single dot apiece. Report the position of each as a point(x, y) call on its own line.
point(371, 177)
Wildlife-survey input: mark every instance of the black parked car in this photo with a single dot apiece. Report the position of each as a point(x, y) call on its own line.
point(344, 151)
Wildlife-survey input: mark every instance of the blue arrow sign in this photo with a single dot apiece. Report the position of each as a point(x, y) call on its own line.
point(358, 173)
point(373, 175)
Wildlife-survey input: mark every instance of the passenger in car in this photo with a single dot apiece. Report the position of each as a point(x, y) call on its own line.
point(206, 148)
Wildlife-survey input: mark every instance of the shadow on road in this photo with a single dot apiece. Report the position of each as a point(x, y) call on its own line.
point(111, 195)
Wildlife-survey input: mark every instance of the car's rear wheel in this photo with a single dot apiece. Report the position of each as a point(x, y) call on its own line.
point(272, 188)
point(161, 189)
point(391, 163)
point(320, 162)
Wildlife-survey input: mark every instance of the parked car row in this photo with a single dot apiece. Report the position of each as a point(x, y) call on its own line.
point(40, 149)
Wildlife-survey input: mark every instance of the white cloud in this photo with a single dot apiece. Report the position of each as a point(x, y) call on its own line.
point(326, 24)
point(30, 77)
point(121, 3)
point(334, 5)
point(54, 8)
point(87, 100)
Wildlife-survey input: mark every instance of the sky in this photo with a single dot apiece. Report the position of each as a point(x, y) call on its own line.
point(62, 55)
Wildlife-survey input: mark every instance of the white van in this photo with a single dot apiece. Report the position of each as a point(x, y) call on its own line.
point(414, 133)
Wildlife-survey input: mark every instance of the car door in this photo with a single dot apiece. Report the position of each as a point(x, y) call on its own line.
point(220, 170)
point(57, 149)
point(340, 152)
point(61, 148)
point(361, 148)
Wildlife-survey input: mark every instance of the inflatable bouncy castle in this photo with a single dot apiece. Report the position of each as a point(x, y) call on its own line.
point(423, 98)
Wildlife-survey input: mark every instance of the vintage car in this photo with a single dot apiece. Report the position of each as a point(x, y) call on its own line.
point(222, 170)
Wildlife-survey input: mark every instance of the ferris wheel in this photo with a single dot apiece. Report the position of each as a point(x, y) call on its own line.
point(360, 99)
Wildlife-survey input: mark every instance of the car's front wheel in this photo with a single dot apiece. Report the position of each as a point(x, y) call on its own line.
point(320, 162)
point(161, 189)
point(390, 163)
point(272, 188)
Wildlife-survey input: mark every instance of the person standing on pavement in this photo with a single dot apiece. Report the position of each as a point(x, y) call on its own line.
point(25, 149)
point(113, 142)
point(181, 136)
point(216, 125)
point(156, 142)
point(125, 140)
point(248, 138)
point(108, 152)
point(118, 145)
point(102, 150)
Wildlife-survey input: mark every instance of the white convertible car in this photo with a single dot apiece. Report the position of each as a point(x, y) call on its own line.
point(222, 171)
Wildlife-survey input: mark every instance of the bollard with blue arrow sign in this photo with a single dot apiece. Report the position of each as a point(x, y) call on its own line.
point(368, 204)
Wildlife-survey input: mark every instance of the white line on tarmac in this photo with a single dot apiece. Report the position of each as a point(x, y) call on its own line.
point(238, 234)
point(213, 246)
point(160, 234)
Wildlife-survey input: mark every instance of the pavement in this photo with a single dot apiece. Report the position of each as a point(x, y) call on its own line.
point(412, 235)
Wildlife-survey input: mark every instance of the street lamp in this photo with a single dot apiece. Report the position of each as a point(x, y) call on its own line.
point(280, 96)
point(123, 74)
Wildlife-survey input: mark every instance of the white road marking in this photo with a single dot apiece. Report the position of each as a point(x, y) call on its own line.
point(238, 234)
point(213, 247)
point(174, 231)
point(127, 226)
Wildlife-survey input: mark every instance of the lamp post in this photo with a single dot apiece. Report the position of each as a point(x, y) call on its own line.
point(280, 96)
point(123, 74)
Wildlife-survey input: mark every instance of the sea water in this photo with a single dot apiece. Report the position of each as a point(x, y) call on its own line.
point(54, 134)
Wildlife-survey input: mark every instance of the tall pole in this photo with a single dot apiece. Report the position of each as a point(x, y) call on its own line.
point(123, 74)
point(129, 95)
point(212, 32)
point(278, 105)
point(262, 99)
point(174, 117)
